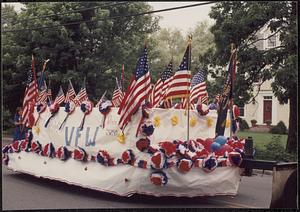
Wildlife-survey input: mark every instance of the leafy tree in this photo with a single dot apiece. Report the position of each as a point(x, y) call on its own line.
point(238, 22)
point(78, 47)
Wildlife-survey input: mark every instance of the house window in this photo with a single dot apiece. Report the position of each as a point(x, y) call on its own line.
point(272, 42)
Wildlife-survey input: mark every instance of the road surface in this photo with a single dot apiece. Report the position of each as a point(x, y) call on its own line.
point(22, 191)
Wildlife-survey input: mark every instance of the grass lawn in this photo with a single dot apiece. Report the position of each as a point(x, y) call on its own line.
point(261, 139)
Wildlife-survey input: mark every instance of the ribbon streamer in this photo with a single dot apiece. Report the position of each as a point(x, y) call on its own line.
point(37, 119)
point(47, 122)
point(82, 122)
point(64, 121)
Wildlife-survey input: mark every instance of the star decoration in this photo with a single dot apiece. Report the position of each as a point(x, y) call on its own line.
point(209, 122)
point(193, 121)
point(174, 120)
point(121, 138)
point(227, 123)
point(37, 130)
point(156, 121)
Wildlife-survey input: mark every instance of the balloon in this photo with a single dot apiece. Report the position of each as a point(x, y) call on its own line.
point(215, 146)
point(221, 140)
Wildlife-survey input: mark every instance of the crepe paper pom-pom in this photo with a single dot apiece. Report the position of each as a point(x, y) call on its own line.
point(79, 154)
point(174, 120)
point(147, 129)
point(121, 138)
point(143, 144)
point(142, 164)
point(152, 150)
point(168, 148)
point(70, 107)
point(198, 163)
point(158, 160)
point(202, 109)
point(49, 150)
point(158, 178)
point(184, 165)
point(25, 145)
point(103, 157)
point(63, 153)
point(227, 123)
point(6, 149)
point(36, 147)
point(105, 107)
point(235, 158)
point(222, 162)
point(194, 145)
point(15, 146)
point(156, 121)
point(209, 122)
point(41, 107)
point(181, 150)
point(86, 106)
point(193, 122)
point(203, 153)
point(54, 108)
point(209, 164)
point(128, 157)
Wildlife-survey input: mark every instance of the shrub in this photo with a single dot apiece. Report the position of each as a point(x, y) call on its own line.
point(280, 128)
point(275, 151)
point(243, 124)
point(268, 122)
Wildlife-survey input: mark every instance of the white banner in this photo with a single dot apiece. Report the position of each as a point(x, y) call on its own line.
point(170, 124)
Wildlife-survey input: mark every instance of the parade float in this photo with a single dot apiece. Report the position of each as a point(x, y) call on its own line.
point(159, 152)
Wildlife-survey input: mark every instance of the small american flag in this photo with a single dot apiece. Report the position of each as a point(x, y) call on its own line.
point(180, 83)
point(42, 96)
point(81, 96)
point(137, 91)
point(198, 85)
point(70, 95)
point(60, 98)
point(102, 99)
point(117, 95)
point(31, 93)
point(162, 85)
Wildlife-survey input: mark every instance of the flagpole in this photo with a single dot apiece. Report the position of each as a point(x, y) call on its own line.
point(188, 95)
point(232, 48)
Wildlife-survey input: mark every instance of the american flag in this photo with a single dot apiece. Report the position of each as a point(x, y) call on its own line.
point(42, 97)
point(156, 92)
point(81, 96)
point(198, 85)
point(31, 93)
point(227, 95)
point(137, 92)
point(102, 99)
point(162, 86)
point(180, 83)
point(117, 95)
point(60, 97)
point(70, 95)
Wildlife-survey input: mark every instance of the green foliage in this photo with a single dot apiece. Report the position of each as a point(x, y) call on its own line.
point(8, 122)
point(243, 124)
point(95, 50)
point(274, 151)
point(239, 23)
point(280, 128)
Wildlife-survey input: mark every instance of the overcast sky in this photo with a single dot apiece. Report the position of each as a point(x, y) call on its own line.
point(183, 19)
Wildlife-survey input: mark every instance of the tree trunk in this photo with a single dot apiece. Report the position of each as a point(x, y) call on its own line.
point(291, 145)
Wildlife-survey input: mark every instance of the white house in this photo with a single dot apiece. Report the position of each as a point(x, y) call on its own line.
point(266, 106)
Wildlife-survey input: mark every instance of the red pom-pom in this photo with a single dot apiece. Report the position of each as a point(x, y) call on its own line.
point(184, 165)
point(143, 144)
point(158, 160)
point(168, 148)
